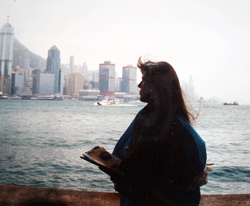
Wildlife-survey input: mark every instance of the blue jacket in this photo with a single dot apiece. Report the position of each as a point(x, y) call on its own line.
point(196, 161)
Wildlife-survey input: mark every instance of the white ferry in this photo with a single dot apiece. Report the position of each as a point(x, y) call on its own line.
point(109, 102)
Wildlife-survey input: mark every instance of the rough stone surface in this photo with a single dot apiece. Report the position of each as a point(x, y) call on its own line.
point(11, 195)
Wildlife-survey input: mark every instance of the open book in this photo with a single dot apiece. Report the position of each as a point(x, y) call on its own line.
point(100, 157)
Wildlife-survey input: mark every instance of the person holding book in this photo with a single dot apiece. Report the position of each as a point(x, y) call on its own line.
point(163, 158)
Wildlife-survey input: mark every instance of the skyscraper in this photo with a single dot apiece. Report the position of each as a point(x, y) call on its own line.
point(107, 78)
point(129, 76)
point(6, 57)
point(71, 64)
point(36, 81)
point(53, 66)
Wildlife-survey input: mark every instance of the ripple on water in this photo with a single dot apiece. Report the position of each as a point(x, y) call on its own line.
point(41, 144)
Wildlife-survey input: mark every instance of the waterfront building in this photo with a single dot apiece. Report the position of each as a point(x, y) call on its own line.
point(107, 78)
point(89, 94)
point(35, 81)
point(6, 57)
point(75, 84)
point(13, 76)
point(53, 67)
point(46, 83)
point(19, 81)
point(129, 76)
point(22, 85)
point(61, 81)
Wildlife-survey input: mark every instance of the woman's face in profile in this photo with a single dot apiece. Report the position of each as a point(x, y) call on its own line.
point(147, 89)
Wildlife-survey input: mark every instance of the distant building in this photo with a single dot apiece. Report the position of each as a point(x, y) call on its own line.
point(71, 64)
point(46, 85)
point(118, 82)
point(53, 67)
point(188, 89)
point(94, 79)
point(107, 78)
point(13, 89)
point(75, 84)
point(22, 87)
point(6, 57)
point(84, 71)
point(129, 76)
point(89, 94)
point(36, 81)
point(24, 60)
point(16, 59)
point(19, 79)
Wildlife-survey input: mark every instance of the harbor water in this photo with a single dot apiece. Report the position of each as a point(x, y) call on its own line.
point(41, 143)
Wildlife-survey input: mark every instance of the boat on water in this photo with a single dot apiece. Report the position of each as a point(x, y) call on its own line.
point(235, 103)
point(109, 102)
point(3, 97)
point(15, 98)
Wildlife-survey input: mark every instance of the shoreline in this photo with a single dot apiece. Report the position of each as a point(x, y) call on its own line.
point(11, 195)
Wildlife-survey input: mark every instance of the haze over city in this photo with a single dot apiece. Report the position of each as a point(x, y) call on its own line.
point(208, 40)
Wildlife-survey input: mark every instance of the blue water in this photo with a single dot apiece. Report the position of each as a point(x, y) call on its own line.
point(41, 141)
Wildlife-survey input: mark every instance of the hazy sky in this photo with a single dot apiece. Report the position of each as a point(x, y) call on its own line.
point(206, 39)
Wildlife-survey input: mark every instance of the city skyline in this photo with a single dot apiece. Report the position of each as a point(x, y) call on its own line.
point(208, 40)
point(53, 70)
point(54, 67)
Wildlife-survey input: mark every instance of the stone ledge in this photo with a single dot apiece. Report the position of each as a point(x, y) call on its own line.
point(11, 195)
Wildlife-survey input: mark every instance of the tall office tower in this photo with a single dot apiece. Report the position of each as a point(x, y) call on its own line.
point(71, 64)
point(6, 57)
point(19, 81)
point(61, 81)
point(16, 58)
point(129, 76)
point(84, 71)
point(53, 66)
point(35, 81)
point(107, 79)
point(13, 89)
point(75, 84)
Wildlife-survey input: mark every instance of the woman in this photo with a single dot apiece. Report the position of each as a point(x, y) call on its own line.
point(162, 155)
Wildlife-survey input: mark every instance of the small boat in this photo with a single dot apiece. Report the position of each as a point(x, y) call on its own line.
point(235, 103)
point(16, 98)
point(3, 97)
point(109, 102)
